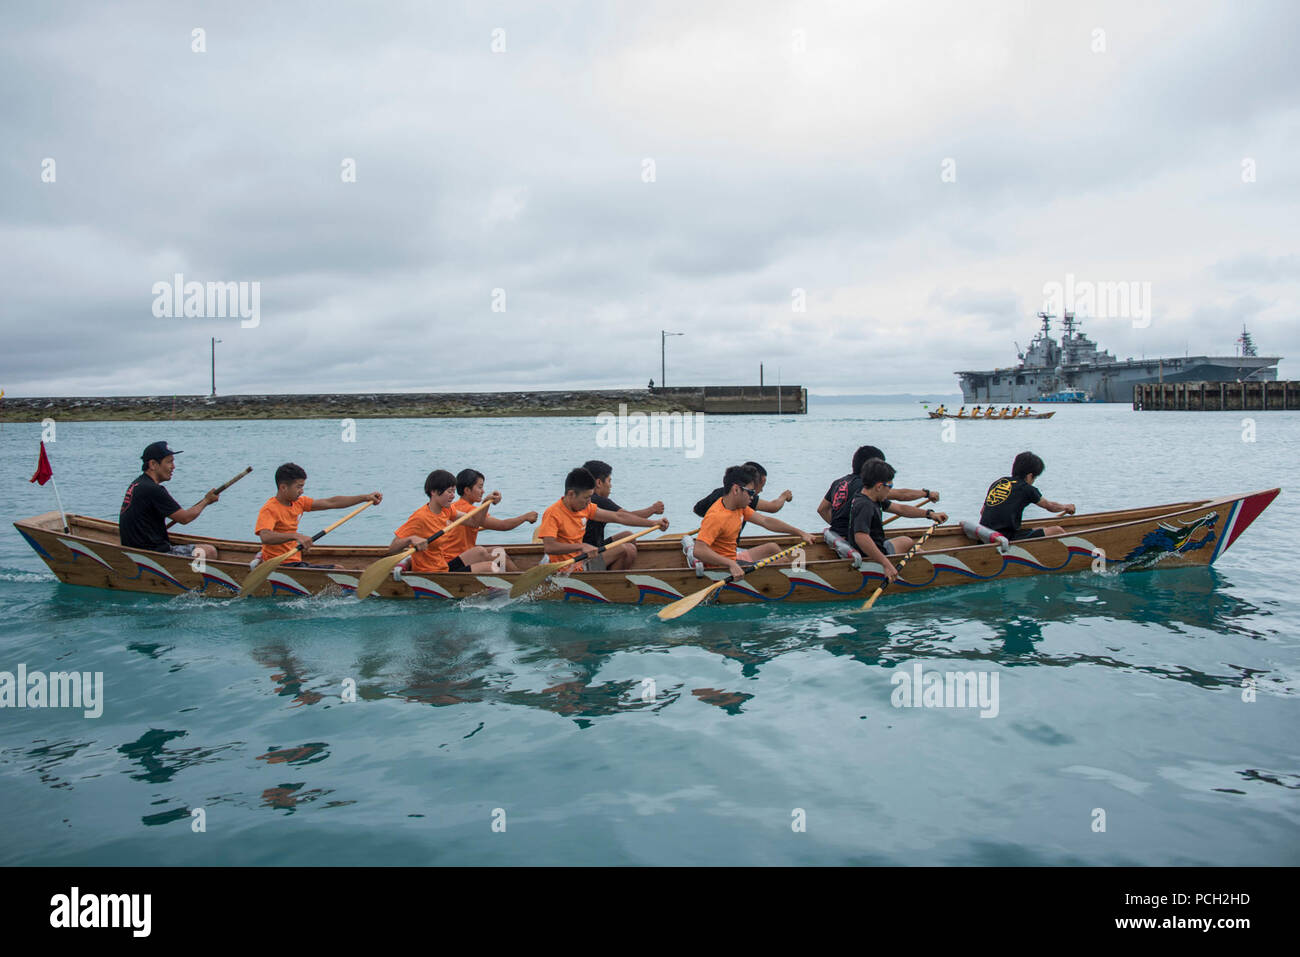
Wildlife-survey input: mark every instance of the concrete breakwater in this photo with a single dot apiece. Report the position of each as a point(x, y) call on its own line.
point(715, 400)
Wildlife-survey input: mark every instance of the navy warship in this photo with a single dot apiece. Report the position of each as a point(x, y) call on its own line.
point(1076, 366)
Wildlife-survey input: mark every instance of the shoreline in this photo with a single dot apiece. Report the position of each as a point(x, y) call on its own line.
point(715, 400)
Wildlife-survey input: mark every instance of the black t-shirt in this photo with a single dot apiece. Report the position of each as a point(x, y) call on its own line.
point(1005, 502)
point(595, 533)
point(145, 507)
point(841, 495)
point(864, 516)
point(703, 505)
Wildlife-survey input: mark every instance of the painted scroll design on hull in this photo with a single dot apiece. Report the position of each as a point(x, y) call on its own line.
point(426, 587)
point(215, 576)
point(82, 551)
point(279, 582)
point(577, 588)
point(145, 564)
point(649, 585)
point(873, 573)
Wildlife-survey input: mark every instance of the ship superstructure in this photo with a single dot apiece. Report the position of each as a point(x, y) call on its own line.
point(1076, 364)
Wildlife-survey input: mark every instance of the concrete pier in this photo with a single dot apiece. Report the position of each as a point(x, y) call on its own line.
point(714, 400)
point(1217, 396)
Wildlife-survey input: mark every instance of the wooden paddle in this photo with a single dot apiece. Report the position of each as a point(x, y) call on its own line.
point(906, 558)
point(377, 571)
point(897, 516)
point(530, 579)
point(682, 605)
point(221, 488)
point(263, 571)
point(675, 536)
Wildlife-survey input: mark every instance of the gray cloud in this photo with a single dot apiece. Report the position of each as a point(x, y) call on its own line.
point(523, 171)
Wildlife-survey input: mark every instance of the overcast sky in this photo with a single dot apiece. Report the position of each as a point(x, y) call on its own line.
point(794, 147)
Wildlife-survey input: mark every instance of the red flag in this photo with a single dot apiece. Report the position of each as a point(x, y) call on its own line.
point(43, 471)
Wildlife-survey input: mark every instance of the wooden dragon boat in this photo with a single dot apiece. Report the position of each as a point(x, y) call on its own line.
point(1164, 536)
point(993, 418)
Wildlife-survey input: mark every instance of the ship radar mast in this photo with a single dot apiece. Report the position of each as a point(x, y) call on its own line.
point(1069, 324)
point(1246, 343)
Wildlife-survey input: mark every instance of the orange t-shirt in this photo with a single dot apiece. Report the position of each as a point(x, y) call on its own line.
point(424, 523)
point(721, 528)
point(461, 538)
point(565, 525)
point(275, 516)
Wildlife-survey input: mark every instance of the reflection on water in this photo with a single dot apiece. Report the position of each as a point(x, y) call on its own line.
point(587, 664)
point(552, 657)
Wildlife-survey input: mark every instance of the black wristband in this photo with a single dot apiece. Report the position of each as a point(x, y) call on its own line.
point(926, 491)
point(929, 515)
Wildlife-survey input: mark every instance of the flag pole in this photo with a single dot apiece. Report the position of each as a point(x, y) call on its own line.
point(59, 502)
point(45, 473)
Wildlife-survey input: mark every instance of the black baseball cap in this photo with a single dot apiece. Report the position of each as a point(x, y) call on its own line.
point(158, 451)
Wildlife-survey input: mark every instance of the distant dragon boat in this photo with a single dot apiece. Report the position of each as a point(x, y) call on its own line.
point(994, 414)
point(1163, 536)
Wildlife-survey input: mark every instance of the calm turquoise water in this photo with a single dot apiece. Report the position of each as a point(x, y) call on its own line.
point(1120, 693)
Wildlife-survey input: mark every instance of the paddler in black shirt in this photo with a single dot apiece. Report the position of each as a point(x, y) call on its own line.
point(147, 505)
point(877, 481)
point(603, 473)
point(1005, 501)
point(757, 504)
point(836, 507)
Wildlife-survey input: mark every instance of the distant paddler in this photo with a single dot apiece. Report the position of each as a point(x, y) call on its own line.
point(277, 520)
point(147, 505)
point(720, 531)
point(564, 523)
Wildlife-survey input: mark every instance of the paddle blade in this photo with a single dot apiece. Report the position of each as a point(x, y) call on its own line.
point(532, 577)
point(376, 572)
point(262, 572)
point(866, 605)
point(682, 605)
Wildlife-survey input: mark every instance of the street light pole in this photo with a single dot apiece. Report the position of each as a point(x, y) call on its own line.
point(663, 370)
point(215, 340)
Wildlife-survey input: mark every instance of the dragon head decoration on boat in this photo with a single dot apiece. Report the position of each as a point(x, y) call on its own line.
point(1166, 540)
